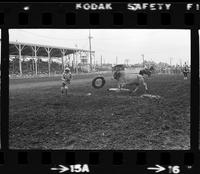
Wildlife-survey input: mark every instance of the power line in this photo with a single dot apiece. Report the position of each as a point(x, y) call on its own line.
point(90, 37)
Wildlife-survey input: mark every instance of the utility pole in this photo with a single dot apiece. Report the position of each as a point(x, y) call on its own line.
point(180, 62)
point(187, 62)
point(94, 61)
point(126, 61)
point(76, 59)
point(143, 59)
point(170, 61)
point(90, 37)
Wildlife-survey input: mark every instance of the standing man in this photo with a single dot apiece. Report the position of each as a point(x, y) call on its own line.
point(66, 79)
point(185, 71)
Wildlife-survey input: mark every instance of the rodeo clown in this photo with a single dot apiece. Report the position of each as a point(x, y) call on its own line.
point(66, 78)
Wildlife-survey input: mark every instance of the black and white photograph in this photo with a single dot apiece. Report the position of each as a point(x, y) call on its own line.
point(99, 89)
point(199, 84)
point(0, 88)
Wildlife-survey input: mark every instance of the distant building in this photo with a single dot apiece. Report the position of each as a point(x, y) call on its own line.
point(84, 60)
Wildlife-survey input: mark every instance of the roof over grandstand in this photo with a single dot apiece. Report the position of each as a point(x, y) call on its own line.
point(28, 50)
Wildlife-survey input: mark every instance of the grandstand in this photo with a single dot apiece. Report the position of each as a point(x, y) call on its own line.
point(27, 58)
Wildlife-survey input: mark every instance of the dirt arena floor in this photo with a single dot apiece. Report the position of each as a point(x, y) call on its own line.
point(42, 118)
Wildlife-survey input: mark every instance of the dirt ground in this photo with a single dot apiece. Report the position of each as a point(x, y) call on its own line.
point(42, 118)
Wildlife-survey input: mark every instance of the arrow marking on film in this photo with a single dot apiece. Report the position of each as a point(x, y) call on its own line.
point(62, 169)
point(158, 168)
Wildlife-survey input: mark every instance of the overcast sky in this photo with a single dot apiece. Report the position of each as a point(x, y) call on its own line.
point(156, 45)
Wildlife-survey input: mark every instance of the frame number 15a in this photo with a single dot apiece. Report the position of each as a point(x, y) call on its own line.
point(76, 168)
point(79, 168)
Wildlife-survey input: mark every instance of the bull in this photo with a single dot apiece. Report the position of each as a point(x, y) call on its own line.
point(128, 78)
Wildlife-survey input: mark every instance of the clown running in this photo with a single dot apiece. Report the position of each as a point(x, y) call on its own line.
point(66, 78)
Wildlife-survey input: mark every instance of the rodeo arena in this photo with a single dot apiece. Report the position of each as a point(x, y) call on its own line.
point(62, 98)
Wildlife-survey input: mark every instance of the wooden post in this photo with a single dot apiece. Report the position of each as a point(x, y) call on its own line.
point(80, 53)
point(143, 59)
point(49, 63)
point(48, 50)
point(73, 61)
point(63, 54)
point(13, 66)
point(20, 62)
point(76, 63)
point(20, 48)
point(35, 49)
point(94, 61)
point(35, 54)
point(69, 58)
point(33, 67)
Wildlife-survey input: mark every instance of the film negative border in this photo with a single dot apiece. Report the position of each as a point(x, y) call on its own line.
point(99, 162)
point(59, 15)
point(84, 15)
